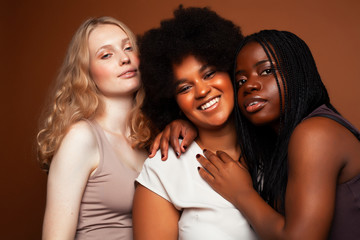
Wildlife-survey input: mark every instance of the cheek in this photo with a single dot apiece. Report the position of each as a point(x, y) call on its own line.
point(136, 60)
point(240, 101)
point(98, 72)
point(184, 102)
point(239, 98)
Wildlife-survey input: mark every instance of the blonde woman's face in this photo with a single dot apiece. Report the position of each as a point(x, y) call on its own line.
point(113, 62)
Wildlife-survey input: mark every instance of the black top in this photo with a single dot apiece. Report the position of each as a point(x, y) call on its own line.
point(346, 220)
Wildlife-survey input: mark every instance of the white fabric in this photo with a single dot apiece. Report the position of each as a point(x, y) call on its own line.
point(206, 214)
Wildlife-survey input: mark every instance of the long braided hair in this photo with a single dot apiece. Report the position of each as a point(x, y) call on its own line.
point(265, 151)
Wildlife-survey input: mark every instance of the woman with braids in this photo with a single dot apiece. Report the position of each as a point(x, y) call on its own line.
point(84, 144)
point(302, 174)
point(185, 66)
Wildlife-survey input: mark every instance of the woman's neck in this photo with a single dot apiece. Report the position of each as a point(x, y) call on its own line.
point(224, 139)
point(114, 114)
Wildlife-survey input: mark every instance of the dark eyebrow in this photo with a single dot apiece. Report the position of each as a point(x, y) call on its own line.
point(177, 82)
point(203, 67)
point(255, 65)
point(180, 81)
point(261, 62)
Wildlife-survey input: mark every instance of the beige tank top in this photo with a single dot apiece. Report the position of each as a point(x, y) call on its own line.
point(105, 210)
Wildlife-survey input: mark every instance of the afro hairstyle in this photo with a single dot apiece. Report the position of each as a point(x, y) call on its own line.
point(199, 32)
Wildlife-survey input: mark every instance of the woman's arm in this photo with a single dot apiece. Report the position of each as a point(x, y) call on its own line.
point(153, 216)
point(70, 169)
point(171, 134)
point(315, 158)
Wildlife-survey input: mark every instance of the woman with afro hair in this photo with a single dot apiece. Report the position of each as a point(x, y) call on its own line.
point(185, 66)
point(302, 174)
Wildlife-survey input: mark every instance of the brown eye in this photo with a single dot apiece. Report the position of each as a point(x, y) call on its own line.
point(241, 82)
point(209, 75)
point(183, 89)
point(267, 71)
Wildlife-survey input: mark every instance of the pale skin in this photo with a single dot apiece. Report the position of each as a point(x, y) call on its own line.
point(201, 85)
point(113, 66)
point(321, 155)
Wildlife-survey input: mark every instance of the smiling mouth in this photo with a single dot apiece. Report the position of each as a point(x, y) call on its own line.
point(210, 103)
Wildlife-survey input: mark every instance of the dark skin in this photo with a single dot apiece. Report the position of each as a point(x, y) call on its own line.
point(197, 84)
point(321, 155)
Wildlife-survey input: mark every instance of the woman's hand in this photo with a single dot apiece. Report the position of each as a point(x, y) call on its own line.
point(172, 132)
point(226, 176)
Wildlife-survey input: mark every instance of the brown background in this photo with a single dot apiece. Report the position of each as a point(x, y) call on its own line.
point(35, 35)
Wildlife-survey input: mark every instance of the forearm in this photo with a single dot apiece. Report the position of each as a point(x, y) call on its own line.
point(267, 223)
point(58, 227)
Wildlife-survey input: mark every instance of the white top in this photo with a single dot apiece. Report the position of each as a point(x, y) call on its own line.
point(206, 214)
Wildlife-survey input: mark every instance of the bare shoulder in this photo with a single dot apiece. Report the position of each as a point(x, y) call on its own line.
point(319, 140)
point(320, 129)
point(79, 147)
point(81, 131)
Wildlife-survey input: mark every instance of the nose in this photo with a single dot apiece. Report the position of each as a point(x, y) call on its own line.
point(124, 59)
point(251, 85)
point(202, 88)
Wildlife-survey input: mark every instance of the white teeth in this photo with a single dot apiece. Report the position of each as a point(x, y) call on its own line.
point(210, 103)
point(253, 103)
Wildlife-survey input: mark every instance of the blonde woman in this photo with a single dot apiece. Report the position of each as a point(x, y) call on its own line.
point(84, 141)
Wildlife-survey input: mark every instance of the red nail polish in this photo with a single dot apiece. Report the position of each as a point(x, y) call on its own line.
point(197, 155)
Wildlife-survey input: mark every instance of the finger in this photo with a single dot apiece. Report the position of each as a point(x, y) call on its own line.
point(224, 157)
point(164, 143)
point(207, 165)
point(206, 175)
point(174, 139)
point(215, 160)
point(155, 145)
point(188, 138)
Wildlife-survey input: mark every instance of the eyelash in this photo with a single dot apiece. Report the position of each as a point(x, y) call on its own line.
point(268, 71)
point(241, 82)
point(183, 89)
point(128, 48)
point(106, 56)
point(209, 74)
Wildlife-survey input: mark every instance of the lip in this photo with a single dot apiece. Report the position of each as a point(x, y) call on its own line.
point(129, 73)
point(213, 101)
point(254, 104)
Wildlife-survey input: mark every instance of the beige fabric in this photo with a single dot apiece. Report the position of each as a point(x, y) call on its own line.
point(105, 211)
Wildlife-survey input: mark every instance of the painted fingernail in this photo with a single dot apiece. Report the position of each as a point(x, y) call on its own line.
point(197, 155)
point(162, 156)
point(198, 168)
point(185, 147)
point(177, 154)
point(204, 150)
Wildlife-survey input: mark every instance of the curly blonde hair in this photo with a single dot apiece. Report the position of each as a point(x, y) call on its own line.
point(76, 95)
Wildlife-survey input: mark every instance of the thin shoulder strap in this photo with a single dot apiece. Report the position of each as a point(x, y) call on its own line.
point(341, 121)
